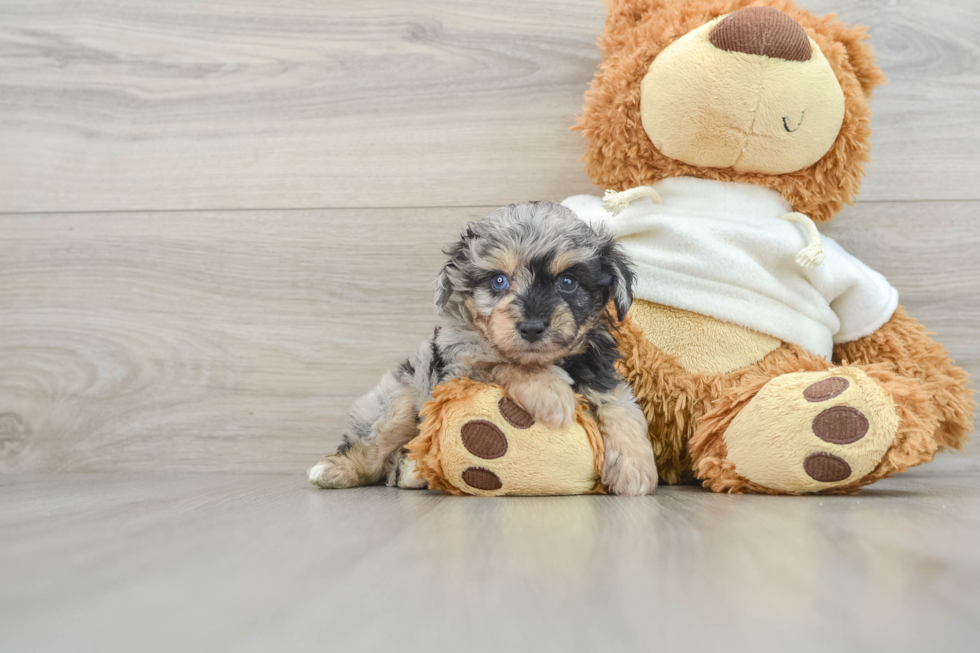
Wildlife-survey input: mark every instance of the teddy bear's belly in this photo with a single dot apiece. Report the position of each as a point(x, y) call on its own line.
point(701, 343)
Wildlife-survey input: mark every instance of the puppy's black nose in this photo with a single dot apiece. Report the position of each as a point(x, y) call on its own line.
point(531, 330)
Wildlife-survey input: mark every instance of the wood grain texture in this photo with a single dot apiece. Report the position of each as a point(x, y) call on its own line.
point(205, 340)
point(267, 563)
point(150, 104)
point(235, 341)
point(928, 251)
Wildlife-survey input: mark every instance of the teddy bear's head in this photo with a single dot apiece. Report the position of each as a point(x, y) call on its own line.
point(735, 90)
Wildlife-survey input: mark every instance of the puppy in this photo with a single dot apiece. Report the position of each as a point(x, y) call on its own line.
point(523, 302)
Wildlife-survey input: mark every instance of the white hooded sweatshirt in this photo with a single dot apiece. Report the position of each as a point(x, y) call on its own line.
point(722, 249)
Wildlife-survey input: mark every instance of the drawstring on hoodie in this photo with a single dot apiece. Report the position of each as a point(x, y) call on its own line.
point(616, 203)
point(812, 255)
point(808, 258)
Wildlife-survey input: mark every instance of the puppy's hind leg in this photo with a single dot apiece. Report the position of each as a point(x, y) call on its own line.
point(349, 467)
point(381, 424)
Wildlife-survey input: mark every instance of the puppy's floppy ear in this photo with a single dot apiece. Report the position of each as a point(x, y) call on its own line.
point(458, 256)
point(618, 266)
point(444, 289)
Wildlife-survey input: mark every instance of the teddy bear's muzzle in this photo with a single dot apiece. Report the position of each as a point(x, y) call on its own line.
point(748, 91)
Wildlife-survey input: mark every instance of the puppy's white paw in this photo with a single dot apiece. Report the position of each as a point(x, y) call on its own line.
point(629, 467)
point(332, 472)
point(629, 473)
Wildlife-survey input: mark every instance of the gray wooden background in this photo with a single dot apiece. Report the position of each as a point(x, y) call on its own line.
point(220, 221)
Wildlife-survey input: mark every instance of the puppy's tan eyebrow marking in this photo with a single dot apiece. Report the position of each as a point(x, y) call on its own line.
point(504, 260)
point(566, 259)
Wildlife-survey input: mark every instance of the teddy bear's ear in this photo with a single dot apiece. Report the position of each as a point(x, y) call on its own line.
point(862, 58)
point(630, 11)
point(621, 17)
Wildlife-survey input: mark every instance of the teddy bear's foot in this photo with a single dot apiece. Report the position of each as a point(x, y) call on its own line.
point(814, 432)
point(475, 440)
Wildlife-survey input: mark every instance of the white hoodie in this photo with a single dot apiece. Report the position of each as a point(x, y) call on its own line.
point(721, 249)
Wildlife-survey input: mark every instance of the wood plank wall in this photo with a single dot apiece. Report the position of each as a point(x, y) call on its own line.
point(220, 221)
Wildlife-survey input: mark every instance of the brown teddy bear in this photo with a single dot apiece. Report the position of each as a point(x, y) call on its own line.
point(765, 357)
point(758, 370)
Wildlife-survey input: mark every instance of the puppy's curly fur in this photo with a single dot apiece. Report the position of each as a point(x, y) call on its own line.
point(523, 301)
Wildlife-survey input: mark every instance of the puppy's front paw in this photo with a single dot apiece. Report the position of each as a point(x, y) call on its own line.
point(629, 467)
point(629, 471)
point(552, 403)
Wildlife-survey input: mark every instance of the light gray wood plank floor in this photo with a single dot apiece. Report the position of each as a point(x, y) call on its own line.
point(229, 562)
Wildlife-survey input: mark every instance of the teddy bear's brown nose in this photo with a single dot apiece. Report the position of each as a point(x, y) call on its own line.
point(762, 30)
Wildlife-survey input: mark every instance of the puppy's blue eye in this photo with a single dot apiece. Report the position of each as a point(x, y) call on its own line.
point(500, 282)
point(567, 283)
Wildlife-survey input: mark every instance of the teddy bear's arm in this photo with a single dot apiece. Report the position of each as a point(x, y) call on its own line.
point(903, 344)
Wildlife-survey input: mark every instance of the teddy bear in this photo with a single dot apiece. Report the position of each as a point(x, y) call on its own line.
point(766, 358)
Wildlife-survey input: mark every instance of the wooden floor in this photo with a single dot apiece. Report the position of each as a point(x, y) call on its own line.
point(221, 221)
point(229, 562)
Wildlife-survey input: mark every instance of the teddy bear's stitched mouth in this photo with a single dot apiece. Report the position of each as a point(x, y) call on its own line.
point(786, 123)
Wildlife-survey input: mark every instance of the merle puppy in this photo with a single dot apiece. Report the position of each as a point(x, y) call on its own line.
point(523, 301)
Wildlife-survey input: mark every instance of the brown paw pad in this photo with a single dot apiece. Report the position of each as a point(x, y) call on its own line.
point(514, 414)
point(826, 467)
point(483, 479)
point(840, 425)
point(826, 389)
point(484, 440)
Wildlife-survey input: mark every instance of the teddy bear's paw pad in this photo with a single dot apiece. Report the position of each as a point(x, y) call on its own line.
point(514, 414)
point(826, 467)
point(482, 479)
point(826, 389)
point(841, 425)
point(812, 431)
point(484, 440)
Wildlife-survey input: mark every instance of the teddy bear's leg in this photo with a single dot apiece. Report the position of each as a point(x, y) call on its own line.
point(826, 431)
point(475, 440)
point(906, 348)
